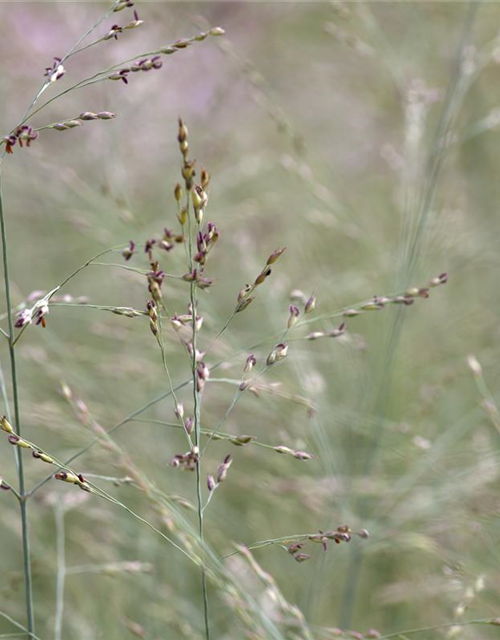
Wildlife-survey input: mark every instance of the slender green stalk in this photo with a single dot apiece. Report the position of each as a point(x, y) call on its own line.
point(448, 625)
point(5, 616)
point(197, 425)
point(61, 571)
point(17, 422)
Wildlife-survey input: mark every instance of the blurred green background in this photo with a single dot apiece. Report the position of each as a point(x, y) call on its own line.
point(361, 136)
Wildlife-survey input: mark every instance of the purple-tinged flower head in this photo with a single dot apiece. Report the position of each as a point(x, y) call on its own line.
point(122, 4)
point(179, 410)
point(299, 455)
point(23, 134)
point(146, 64)
point(40, 314)
point(176, 322)
point(293, 548)
point(302, 455)
point(294, 316)
point(24, 318)
point(200, 200)
point(88, 115)
point(204, 283)
point(223, 468)
point(198, 355)
point(56, 71)
point(202, 375)
point(212, 234)
point(153, 316)
point(73, 478)
point(210, 483)
point(40, 455)
point(310, 304)
point(278, 353)
point(155, 280)
point(120, 75)
point(250, 363)
point(148, 247)
point(442, 278)
point(339, 331)
point(136, 22)
point(188, 459)
point(113, 32)
point(183, 134)
point(189, 425)
point(275, 255)
point(26, 134)
point(9, 141)
point(129, 251)
point(244, 292)
point(16, 441)
point(3, 485)
point(200, 242)
point(301, 557)
point(106, 115)
point(165, 245)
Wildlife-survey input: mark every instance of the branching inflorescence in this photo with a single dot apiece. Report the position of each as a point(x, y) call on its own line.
point(198, 239)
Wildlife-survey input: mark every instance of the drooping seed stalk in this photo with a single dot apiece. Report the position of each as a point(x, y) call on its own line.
point(17, 422)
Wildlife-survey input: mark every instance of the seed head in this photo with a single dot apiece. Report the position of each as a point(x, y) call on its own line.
point(183, 131)
point(129, 251)
point(56, 71)
point(210, 483)
point(442, 278)
point(178, 192)
point(265, 273)
point(301, 557)
point(136, 22)
point(123, 4)
point(275, 255)
point(294, 316)
point(18, 442)
point(223, 468)
point(179, 410)
point(182, 216)
point(43, 456)
point(5, 425)
point(250, 363)
point(310, 304)
point(205, 178)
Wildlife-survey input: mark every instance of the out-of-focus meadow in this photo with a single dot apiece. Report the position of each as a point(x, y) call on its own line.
point(362, 137)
